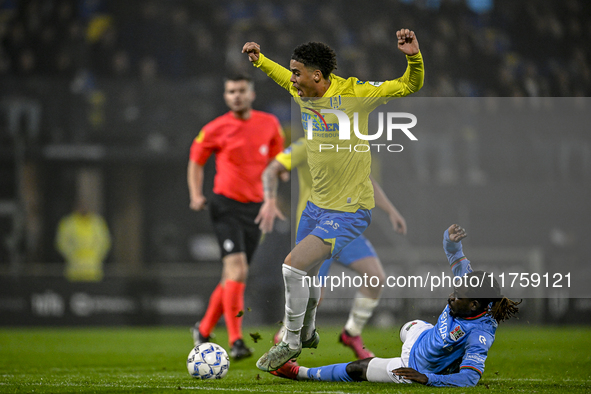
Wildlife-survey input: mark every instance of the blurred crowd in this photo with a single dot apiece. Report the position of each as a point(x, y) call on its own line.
point(146, 74)
point(471, 48)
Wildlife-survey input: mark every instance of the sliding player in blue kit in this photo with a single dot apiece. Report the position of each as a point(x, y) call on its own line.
point(451, 353)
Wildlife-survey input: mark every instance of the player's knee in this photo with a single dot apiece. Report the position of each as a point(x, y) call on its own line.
point(357, 370)
point(235, 268)
point(377, 286)
point(381, 279)
point(312, 303)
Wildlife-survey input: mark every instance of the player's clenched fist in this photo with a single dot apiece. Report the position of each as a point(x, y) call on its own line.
point(252, 49)
point(456, 233)
point(407, 42)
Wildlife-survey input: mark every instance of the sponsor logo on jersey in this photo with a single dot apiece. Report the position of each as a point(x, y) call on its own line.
point(373, 83)
point(200, 136)
point(331, 223)
point(314, 121)
point(477, 358)
point(456, 333)
point(443, 325)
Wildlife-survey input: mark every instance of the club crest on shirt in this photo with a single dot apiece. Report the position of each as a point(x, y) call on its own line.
point(456, 333)
point(335, 102)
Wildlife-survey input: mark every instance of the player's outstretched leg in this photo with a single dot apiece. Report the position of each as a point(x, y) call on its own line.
point(289, 370)
point(328, 373)
point(297, 295)
point(366, 299)
point(277, 356)
point(309, 335)
point(361, 311)
point(355, 371)
point(310, 343)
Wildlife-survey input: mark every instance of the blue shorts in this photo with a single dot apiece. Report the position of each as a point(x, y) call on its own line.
point(358, 249)
point(335, 227)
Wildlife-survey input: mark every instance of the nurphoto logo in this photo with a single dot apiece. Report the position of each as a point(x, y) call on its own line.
point(316, 126)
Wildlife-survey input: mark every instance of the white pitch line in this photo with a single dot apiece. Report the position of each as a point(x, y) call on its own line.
point(258, 389)
point(537, 380)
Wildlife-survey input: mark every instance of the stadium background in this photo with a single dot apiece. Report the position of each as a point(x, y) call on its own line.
point(103, 98)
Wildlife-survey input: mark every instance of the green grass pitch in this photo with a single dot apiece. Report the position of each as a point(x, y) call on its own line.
point(150, 360)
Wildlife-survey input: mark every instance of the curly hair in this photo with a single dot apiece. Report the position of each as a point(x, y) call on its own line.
point(316, 55)
point(488, 294)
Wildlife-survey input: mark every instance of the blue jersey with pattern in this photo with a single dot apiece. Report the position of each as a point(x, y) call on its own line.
point(454, 351)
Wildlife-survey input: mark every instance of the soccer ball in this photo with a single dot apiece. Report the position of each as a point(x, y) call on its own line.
point(208, 361)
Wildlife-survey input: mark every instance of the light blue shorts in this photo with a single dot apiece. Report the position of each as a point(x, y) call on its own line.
point(358, 249)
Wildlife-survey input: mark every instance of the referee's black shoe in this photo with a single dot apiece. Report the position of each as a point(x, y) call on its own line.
point(239, 350)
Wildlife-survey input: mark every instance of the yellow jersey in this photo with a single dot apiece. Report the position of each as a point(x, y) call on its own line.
point(340, 168)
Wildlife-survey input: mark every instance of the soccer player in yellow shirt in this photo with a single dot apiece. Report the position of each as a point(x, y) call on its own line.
point(359, 255)
point(339, 209)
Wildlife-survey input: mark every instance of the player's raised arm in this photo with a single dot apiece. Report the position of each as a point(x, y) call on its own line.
point(414, 76)
point(456, 233)
point(452, 245)
point(253, 50)
point(279, 74)
point(412, 79)
point(407, 42)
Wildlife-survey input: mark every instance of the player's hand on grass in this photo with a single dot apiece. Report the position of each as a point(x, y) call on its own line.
point(198, 203)
point(267, 214)
point(456, 233)
point(407, 42)
point(253, 50)
point(411, 374)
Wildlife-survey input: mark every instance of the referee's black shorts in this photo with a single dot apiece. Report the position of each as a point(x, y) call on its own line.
point(234, 226)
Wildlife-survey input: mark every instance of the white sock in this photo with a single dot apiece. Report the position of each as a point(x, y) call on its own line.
point(297, 294)
point(303, 373)
point(361, 311)
point(310, 316)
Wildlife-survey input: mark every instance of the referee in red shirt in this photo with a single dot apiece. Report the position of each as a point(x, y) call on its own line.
point(244, 142)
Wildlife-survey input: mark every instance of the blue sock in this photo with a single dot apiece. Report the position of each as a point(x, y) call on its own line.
point(330, 373)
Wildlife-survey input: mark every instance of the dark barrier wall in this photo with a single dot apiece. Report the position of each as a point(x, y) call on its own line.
point(51, 301)
point(45, 301)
